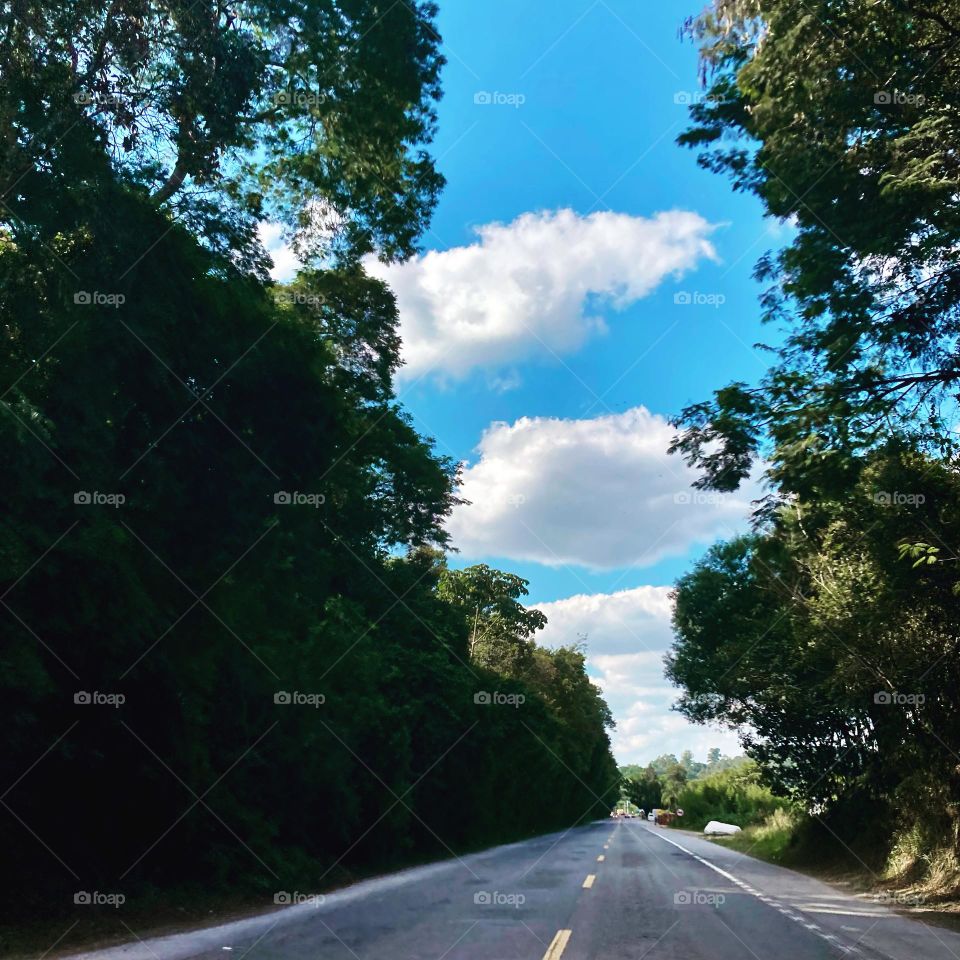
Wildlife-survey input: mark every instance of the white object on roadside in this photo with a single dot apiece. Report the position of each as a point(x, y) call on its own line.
point(715, 827)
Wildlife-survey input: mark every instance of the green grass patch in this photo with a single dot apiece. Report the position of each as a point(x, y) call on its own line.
point(775, 840)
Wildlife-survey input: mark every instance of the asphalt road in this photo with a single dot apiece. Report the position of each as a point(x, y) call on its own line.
point(611, 890)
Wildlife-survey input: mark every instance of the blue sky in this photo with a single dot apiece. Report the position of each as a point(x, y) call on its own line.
point(544, 340)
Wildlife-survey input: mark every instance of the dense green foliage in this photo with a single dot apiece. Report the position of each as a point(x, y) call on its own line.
point(840, 117)
point(734, 795)
point(666, 782)
point(310, 111)
point(641, 787)
point(229, 652)
point(835, 652)
point(500, 625)
point(830, 636)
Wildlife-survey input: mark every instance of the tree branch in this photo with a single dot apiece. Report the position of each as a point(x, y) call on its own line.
point(937, 18)
point(172, 184)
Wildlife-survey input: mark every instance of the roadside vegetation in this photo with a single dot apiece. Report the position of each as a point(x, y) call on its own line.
point(773, 840)
point(233, 655)
point(734, 795)
point(829, 636)
point(725, 788)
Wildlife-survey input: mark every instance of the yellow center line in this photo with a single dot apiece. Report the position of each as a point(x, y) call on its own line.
point(557, 945)
point(588, 883)
point(601, 858)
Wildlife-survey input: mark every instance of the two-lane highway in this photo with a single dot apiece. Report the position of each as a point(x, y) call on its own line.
point(613, 890)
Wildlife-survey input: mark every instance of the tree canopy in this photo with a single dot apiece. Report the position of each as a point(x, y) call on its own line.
point(839, 117)
point(312, 113)
point(500, 625)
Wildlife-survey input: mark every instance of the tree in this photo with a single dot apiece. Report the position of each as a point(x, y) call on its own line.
point(218, 511)
point(500, 626)
point(335, 594)
point(827, 637)
point(692, 767)
point(219, 516)
point(642, 787)
point(829, 645)
point(199, 444)
point(818, 110)
point(314, 114)
point(673, 782)
point(664, 762)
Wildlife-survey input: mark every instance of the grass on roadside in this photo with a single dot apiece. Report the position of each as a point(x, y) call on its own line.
point(918, 877)
point(927, 865)
point(774, 840)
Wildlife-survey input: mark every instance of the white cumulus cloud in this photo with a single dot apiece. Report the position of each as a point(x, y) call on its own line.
point(627, 621)
point(534, 287)
point(627, 634)
point(601, 493)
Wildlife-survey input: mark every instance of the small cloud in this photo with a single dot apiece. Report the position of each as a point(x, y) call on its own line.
point(285, 262)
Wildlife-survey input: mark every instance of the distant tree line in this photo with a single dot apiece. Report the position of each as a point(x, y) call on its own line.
point(663, 781)
point(729, 789)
